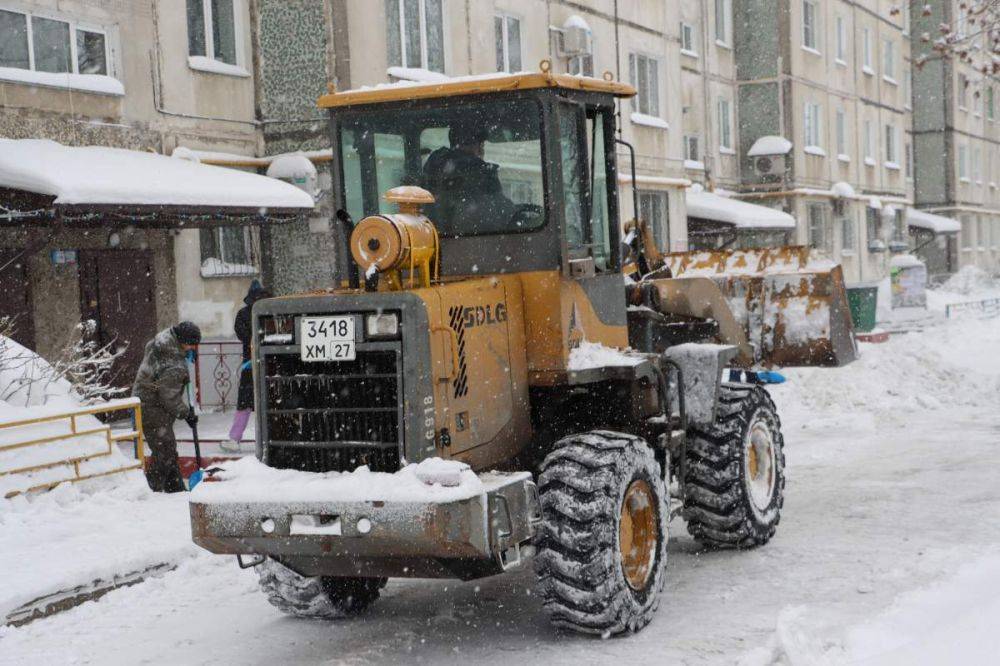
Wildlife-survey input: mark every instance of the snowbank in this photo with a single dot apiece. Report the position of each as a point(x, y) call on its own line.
point(79, 533)
point(932, 369)
point(249, 480)
point(951, 622)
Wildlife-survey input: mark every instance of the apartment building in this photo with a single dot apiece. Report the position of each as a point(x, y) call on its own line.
point(824, 119)
point(149, 76)
point(956, 130)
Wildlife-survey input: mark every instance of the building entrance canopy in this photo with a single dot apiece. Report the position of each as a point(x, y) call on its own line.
point(44, 181)
point(936, 223)
point(739, 214)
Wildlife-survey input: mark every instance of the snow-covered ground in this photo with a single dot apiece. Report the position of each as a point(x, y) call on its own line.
point(888, 552)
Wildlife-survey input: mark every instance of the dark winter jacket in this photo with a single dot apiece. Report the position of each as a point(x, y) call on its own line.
point(243, 328)
point(163, 376)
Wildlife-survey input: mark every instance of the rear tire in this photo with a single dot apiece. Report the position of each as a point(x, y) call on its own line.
point(735, 472)
point(603, 538)
point(316, 597)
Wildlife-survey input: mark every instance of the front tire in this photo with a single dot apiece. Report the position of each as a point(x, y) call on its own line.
point(602, 543)
point(316, 597)
point(734, 477)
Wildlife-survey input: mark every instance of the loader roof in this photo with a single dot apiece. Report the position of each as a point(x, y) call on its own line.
point(471, 85)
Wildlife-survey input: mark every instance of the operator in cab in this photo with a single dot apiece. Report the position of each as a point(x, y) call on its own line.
point(467, 189)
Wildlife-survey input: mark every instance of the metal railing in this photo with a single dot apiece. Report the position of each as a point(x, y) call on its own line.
point(986, 308)
point(132, 405)
point(217, 373)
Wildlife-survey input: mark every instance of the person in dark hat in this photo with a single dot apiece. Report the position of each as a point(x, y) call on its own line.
point(161, 385)
point(466, 187)
point(244, 397)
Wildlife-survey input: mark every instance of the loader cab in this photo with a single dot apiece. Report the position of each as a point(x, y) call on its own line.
point(522, 168)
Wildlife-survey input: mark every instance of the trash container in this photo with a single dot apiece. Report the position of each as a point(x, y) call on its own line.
point(862, 299)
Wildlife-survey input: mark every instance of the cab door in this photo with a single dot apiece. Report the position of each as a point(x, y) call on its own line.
point(592, 271)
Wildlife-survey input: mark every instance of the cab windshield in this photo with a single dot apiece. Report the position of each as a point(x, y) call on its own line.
point(481, 161)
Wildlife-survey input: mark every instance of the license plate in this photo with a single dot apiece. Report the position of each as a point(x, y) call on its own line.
point(327, 339)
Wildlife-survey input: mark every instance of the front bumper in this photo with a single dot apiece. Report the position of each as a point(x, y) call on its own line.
point(469, 538)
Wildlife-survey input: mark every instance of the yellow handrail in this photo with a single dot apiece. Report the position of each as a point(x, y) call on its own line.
point(136, 435)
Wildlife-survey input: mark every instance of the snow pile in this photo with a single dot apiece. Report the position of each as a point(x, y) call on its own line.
point(249, 480)
point(931, 369)
point(95, 83)
point(971, 281)
point(589, 355)
point(30, 388)
point(97, 175)
point(770, 145)
point(951, 622)
point(79, 533)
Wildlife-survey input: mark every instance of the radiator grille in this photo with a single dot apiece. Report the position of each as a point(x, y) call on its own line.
point(333, 416)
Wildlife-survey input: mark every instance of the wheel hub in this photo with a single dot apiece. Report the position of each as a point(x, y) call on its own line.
point(637, 534)
point(759, 464)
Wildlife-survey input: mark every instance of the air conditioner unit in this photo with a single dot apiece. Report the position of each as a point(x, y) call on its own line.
point(769, 165)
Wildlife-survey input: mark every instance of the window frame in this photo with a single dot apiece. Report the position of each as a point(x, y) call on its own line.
point(505, 18)
point(724, 22)
point(847, 222)
point(868, 143)
point(866, 51)
point(688, 46)
point(840, 40)
point(725, 129)
point(889, 61)
point(661, 226)
point(962, 91)
point(963, 163)
point(424, 63)
point(74, 25)
point(810, 26)
point(696, 138)
point(208, 25)
point(891, 147)
point(249, 245)
point(812, 126)
point(840, 134)
point(826, 235)
point(645, 96)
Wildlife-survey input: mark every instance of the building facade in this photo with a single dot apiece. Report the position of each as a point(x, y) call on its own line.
point(956, 130)
point(149, 76)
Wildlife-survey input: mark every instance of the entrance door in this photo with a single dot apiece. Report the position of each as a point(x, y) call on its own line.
point(15, 296)
point(118, 292)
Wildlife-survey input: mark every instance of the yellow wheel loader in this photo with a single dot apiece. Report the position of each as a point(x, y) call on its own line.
point(492, 311)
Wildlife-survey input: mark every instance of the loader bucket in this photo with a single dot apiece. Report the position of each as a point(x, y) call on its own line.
point(790, 304)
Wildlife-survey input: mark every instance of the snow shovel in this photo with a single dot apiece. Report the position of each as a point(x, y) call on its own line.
point(199, 473)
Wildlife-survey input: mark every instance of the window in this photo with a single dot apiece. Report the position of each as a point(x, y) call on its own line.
point(963, 85)
point(841, 134)
point(866, 51)
point(819, 233)
point(581, 65)
point(507, 31)
point(212, 30)
point(990, 103)
point(967, 231)
point(643, 71)
point(587, 234)
point(228, 251)
point(653, 209)
point(52, 45)
point(687, 39)
point(889, 60)
point(848, 242)
point(466, 154)
point(691, 151)
point(963, 163)
point(891, 145)
point(415, 32)
point(723, 21)
point(977, 157)
point(725, 126)
point(908, 155)
point(977, 103)
point(812, 125)
point(810, 27)
point(981, 240)
point(868, 143)
point(841, 50)
point(873, 225)
point(907, 87)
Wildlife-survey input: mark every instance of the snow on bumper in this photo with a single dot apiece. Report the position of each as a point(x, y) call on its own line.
point(368, 524)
